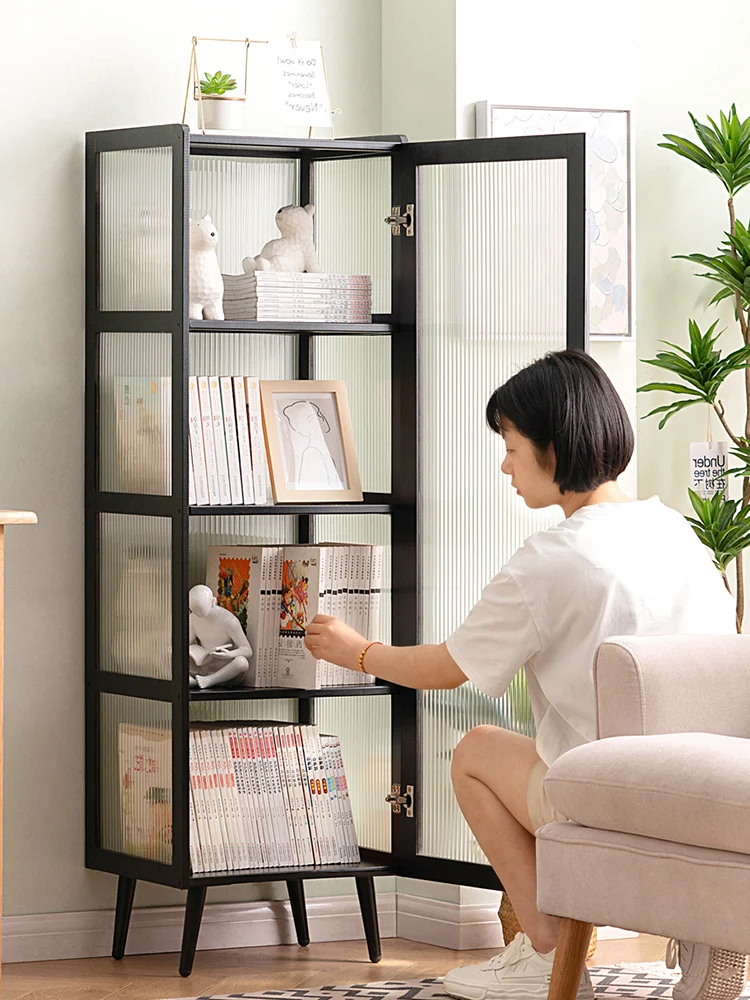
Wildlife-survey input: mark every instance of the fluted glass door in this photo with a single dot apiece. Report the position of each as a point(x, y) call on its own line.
point(498, 237)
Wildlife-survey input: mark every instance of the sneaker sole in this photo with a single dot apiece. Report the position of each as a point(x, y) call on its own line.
point(540, 991)
point(717, 987)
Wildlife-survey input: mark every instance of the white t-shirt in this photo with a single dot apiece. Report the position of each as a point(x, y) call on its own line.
point(610, 569)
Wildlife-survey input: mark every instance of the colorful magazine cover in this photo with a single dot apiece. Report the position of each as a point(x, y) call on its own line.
point(300, 597)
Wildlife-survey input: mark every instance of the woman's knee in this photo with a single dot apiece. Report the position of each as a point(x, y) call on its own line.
point(469, 749)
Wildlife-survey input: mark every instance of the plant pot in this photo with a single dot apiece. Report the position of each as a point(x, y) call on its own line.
point(224, 113)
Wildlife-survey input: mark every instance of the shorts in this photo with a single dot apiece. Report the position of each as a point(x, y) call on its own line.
point(540, 809)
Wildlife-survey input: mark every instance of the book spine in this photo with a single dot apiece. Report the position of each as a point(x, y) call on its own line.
point(218, 804)
point(204, 398)
point(252, 801)
point(316, 791)
point(201, 804)
point(351, 832)
point(376, 599)
point(247, 841)
point(279, 792)
point(231, 800)
point(192, 497)
point(257, 438)
point(214, 828)
point(230, 434)
point(196, 862)
point(329, 771)
point(220, 444)
point(243, 440)
point(286, 788)
point(325, 799)
point(196, 443)
point(264, 797)
point(308, 788)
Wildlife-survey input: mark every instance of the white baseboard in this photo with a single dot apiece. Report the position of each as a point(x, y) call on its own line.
point(448, 925)
point(462, 926)
point(43, 937)
point(47, 936)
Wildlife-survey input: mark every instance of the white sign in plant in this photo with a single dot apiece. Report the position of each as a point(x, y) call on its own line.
point(708, 467)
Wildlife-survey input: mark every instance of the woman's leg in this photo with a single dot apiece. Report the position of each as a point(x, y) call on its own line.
point(490, 773)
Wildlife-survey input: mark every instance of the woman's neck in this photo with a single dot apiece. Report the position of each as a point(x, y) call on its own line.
point(606, 493)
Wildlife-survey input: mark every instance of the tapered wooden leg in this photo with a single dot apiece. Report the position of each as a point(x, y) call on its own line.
point(366, 893)
point(296, 890)
point(570, 956)
point(196, 899)
point(125, 894)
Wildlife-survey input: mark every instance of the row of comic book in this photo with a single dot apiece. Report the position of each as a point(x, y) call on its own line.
point(227, 445)
point(275, 591)
point(268, 795)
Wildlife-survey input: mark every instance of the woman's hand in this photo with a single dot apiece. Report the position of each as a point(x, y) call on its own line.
point(330, 639)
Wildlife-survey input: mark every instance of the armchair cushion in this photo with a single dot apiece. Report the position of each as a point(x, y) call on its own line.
point(687, 788)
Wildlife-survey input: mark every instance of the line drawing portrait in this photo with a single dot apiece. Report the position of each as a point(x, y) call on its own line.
point(311, 444)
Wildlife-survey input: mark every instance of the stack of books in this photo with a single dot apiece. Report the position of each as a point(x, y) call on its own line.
point(293, 297)
point(276, 591)
point(227, 444)
point(262, 795)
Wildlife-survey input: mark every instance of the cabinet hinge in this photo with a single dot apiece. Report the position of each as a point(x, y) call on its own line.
point(396, 220)
point(397, 800)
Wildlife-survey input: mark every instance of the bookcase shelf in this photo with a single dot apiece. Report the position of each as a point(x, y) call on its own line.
point(278, 327)
point(143, 551)
point(257, 694)
point(301, 509)
point(363, 868)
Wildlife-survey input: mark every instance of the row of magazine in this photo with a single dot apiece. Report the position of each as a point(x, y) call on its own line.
point(268, 796)
point(227, 444)
point(262, 795)
point(276, 590)
point(282, 295)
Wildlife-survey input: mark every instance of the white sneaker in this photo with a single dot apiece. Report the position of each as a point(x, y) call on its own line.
point(707, 973)
point(517, 973)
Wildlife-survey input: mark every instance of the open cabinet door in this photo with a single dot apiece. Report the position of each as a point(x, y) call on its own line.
point(489, 269)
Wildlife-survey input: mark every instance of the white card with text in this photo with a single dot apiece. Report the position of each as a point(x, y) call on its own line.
point(298, 83)
point(708, 467)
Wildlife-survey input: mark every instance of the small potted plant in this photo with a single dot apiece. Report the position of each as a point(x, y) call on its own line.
point(221, 110)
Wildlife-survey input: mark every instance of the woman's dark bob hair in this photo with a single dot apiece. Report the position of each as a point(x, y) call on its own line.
point(566, 400)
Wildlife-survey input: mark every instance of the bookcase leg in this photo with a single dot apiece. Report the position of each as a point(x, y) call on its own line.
point(125, 894)
point(196, 899)
point(366, 893)
point(299, 910)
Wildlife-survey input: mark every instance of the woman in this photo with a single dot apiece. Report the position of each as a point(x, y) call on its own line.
point(613, 566)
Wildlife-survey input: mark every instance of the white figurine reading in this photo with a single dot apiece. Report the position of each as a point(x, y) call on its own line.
point(219, 650)
point(295, 251)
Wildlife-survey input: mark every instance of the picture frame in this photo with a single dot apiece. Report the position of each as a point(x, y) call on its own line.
point(610, 199)
point(310, 442)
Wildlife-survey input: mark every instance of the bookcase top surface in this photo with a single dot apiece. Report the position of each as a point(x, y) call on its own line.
point(288, 146)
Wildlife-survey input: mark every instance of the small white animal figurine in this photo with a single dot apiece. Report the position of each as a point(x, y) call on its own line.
point(295, 251)
point(206, 282)
point(219, 650)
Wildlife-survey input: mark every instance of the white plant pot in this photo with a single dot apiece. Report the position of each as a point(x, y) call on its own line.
point(222, 113)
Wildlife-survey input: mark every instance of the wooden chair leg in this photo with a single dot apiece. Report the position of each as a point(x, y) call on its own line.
point(569, 959)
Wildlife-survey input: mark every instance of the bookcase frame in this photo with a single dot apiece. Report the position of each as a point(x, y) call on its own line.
point(402, 505)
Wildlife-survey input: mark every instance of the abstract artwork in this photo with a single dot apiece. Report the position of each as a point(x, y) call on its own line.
point(609, 226)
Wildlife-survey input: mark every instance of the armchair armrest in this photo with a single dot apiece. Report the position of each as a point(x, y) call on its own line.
point(646, 685)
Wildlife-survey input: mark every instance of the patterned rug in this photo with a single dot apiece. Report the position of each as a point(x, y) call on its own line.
point(647, 981)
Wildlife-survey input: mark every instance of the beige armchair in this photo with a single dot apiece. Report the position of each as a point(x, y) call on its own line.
point(659, 834)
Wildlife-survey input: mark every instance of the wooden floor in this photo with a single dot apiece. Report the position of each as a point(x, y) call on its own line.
point(153, 977)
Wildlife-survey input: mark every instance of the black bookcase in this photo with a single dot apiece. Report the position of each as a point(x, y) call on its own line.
point(156, 308)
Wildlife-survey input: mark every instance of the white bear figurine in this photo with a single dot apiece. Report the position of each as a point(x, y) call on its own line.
point(206, 282)
point(295, 251)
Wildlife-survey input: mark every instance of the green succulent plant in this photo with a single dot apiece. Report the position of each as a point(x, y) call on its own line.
point(218, 84)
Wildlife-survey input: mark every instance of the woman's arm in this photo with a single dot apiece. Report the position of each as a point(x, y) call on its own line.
point(421, 667)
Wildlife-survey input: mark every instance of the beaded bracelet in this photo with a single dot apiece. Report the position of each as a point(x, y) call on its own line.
point(361, 660)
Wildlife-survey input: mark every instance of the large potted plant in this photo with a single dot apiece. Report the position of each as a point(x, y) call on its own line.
point(723, 524)
point(220, 108)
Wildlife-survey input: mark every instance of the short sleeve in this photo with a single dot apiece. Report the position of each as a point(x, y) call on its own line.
point(497, 638)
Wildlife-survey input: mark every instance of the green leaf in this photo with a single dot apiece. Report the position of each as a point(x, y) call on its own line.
point(724, 148)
